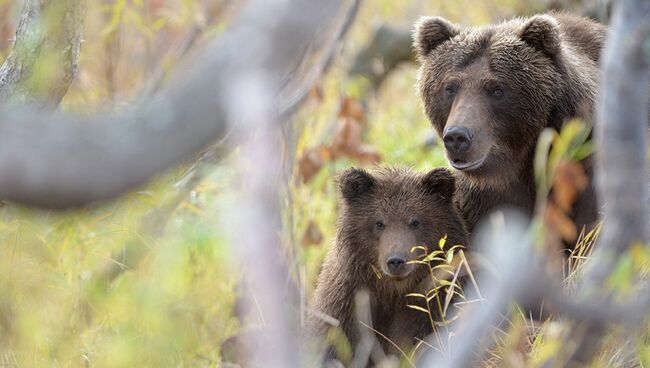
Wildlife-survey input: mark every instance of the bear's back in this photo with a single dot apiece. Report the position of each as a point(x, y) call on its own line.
point(585, 35)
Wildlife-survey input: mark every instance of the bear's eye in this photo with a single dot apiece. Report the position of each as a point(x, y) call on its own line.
point(451, 89)
point(415, 224)
point(496, 92)
point(380, 225)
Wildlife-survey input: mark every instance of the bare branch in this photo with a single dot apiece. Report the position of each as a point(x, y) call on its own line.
point(622, 173)
point(74, 160)
point(321, 54)
point(45, 53)
point(389, 47)
point(621, 129)
point(153, 223)
point(260, 250)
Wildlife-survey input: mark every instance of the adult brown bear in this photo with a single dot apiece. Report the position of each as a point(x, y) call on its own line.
point(490, 91)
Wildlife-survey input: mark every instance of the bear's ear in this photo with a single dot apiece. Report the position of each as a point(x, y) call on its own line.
point(430, 32)
point(440, 182)
point(354, 183)
point(543, 33)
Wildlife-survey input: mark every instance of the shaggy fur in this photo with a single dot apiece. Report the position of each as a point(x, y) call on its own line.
point(396, 198)
point(507, 82)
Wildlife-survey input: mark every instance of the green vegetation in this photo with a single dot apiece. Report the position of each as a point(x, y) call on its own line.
point(151, 280)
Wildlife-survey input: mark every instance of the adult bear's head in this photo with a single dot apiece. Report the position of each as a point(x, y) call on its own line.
point(490, 91)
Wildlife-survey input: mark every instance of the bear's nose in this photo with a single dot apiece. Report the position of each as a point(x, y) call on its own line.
point(457, 139)
point(395, 264)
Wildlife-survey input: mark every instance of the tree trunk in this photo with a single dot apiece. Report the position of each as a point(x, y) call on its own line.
point(622, 167)
point(622, 113)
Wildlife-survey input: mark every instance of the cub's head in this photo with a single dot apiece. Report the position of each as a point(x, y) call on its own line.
point(389, 211)
point(489, 91)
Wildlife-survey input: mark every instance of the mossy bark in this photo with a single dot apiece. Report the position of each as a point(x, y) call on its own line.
point(45, 54)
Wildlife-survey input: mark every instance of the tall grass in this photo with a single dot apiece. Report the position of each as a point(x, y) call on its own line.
point(170, 296)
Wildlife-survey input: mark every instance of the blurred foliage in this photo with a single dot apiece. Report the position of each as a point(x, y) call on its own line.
point(175, 302)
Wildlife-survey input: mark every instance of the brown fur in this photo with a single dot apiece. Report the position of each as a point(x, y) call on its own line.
point(396, 197)
point(546, 68)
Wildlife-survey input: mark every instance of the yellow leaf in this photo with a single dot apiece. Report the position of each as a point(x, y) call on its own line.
point(416, 294)
point(418, 308)
point(441, 243)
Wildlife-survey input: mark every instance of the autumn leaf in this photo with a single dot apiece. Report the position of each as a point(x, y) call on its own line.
point(312, 235)
point(557, 221)
point(352, 108)
point(155, 6)
point(316, 93)
point(367, 154)
point(570, 179)
point(312, 161)
point(347, 137)
point(347, 141)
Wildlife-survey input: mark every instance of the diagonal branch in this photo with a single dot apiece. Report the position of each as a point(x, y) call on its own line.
point(313, 65)
point(74, 160)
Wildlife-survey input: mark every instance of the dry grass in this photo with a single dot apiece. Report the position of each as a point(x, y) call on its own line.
point(178, 302)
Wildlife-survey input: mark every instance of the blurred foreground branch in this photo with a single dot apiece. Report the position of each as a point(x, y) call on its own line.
point(622, 181)
point(505, 246)
point(390, 46)
point(621, 129)
point(74, 160)
point(253, 102)
point(62, 161)
point(313, 65)
point(45, 54)
point(622, 167)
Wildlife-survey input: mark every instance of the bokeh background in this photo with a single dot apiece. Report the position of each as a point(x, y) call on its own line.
point(150, 279)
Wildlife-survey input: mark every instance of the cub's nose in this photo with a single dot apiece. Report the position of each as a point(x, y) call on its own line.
point(457, 139)
point(395, 264)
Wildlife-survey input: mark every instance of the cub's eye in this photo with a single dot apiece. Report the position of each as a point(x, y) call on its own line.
point(380, 225)
point(496, 92)
point(415, 224)
point(451, 89)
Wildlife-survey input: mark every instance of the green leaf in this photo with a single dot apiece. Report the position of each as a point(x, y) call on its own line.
point(441, 265)
point(418, 308)
point(416, 261)
point(434, 256)
point(450, 256)
point(417, 295)
point(457, 246)
point(584, 151)
point(544, 143)
point(431, 293)
point(442, 241)
point(622, 278)
point(436, 259)
point(413, 249)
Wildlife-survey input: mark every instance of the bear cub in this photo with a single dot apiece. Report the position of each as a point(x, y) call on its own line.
point(383, 215)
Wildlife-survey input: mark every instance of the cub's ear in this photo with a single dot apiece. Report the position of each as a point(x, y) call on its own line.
point(354, 183)
point(441, 182)
point(543, 33)
point(430, 32)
